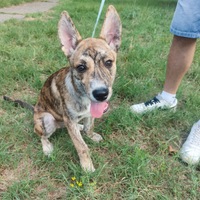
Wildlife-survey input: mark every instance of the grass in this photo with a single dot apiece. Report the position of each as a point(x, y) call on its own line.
point(7, 3)
point(133, 161)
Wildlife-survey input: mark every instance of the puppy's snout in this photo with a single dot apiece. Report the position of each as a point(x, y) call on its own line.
point(100, 94)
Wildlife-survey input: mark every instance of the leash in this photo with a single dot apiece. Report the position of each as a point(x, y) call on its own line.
point(100, 9)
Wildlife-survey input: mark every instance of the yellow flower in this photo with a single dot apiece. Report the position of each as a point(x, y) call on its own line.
point(95, 182)
point(91, 184)
point(80, 184)
point(77, 182)
point(71, 184)
point(73, 178)
point(94, 188)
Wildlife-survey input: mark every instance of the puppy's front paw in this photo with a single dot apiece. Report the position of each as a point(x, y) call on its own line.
point(46, 146)
point(80, 127)
point(48, 149)
point(87, 166)
point(96, 137)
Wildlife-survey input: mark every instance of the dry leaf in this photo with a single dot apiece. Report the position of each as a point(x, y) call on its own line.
point(172, 151)
point(22, 115)
point(3, 188)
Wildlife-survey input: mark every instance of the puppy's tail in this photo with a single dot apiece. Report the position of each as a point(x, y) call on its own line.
point(23, 104)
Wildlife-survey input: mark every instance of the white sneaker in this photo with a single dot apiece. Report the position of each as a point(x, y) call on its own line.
point(156, 102)
point(190, 151)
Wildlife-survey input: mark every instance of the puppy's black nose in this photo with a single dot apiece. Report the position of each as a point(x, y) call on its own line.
point(100, 94)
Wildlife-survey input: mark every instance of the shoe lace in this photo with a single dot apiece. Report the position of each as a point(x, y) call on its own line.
point(152, 101)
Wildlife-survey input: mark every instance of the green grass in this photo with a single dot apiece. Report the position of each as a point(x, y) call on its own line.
point(7, 3)
point(133, 160)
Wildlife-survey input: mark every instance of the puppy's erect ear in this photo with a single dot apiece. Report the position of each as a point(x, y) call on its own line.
point(112, 28)
point(68, 34)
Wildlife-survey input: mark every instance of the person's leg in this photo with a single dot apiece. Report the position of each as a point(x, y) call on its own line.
point(185, 27)
point(179, 61)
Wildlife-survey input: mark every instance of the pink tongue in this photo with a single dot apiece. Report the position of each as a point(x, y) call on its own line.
point(97, 109)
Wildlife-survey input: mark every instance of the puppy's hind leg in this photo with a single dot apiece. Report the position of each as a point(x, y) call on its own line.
point(45, 126)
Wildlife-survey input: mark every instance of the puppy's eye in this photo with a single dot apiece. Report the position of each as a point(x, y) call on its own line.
point(108, 63)
point(81, 68)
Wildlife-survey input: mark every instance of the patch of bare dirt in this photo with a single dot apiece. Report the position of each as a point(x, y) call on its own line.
point(57, 190)
point(2, 112)
point(24, 169)
point(24, 93)
point(50, 11)
point(30, 19)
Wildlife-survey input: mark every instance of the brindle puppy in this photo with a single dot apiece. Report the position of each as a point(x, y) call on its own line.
point(82, 90)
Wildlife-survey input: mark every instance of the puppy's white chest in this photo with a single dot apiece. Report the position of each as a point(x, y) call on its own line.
point(81, 109)
point(85, 113)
